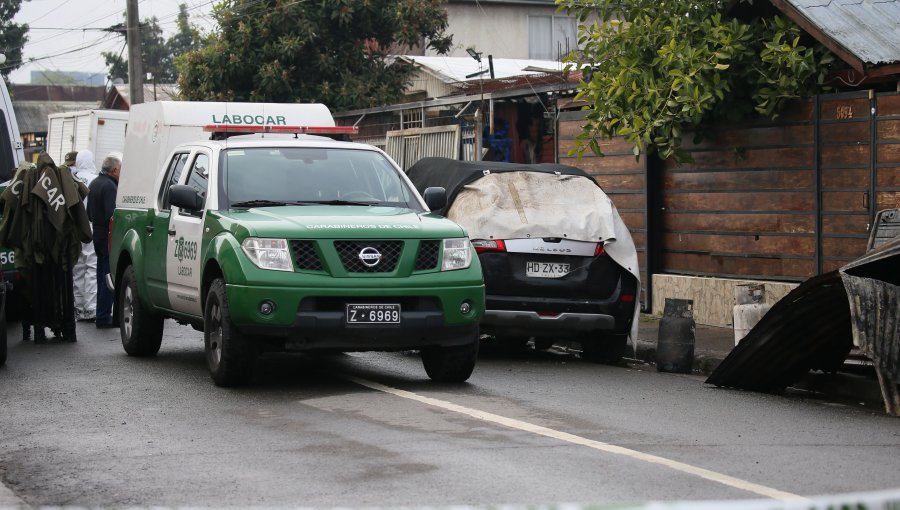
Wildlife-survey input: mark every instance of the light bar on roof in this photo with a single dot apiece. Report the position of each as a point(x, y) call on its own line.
point(300, 130)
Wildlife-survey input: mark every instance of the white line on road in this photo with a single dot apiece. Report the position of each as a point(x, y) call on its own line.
point(713, 476)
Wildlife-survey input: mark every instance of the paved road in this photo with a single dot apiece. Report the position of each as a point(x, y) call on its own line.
point(83, 424)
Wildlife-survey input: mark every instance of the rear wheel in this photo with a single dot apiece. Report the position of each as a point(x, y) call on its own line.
point(604, 348)
point(229, 355)
point(141, 328)
point(451, 364)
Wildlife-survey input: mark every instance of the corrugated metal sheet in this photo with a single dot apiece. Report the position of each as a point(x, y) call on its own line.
point(815, 326)
point(407, 146)
point(870, 29)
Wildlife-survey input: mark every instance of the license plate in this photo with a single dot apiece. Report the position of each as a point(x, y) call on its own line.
point(546, 269)
point(373, 314)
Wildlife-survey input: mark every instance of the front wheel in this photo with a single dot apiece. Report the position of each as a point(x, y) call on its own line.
point(451, 364)
point(229, 355)
point(607, 349)
point(141, 328)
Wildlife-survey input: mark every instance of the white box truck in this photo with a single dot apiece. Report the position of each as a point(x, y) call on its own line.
point(99, 131)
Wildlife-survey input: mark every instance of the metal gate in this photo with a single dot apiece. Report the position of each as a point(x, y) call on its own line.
point(406, 146)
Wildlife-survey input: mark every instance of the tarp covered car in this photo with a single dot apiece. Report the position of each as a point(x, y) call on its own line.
point(558, 261)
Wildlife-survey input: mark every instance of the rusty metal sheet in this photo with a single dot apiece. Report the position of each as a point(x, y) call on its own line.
point(808, 329)
point(815, 326)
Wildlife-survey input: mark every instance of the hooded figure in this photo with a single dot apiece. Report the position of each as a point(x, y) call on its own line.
point(84, 272)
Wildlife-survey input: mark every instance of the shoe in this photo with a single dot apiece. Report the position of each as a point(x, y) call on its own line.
point(105, 325)
point(26, 332)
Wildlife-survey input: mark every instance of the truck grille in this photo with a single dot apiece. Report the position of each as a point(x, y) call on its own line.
point(428, 255)
point(350, 252)
point(305, 255)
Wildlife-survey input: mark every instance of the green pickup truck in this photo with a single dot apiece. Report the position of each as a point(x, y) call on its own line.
point(287, 242)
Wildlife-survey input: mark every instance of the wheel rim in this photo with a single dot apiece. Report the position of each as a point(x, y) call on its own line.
point(128, 313)
point(215, 335)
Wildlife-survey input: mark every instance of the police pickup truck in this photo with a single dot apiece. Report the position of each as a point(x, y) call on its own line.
point(284, 241)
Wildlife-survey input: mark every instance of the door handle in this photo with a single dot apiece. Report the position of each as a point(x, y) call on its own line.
point(150, 229)
point(171, 232)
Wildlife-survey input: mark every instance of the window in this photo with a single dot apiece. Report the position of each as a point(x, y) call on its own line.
point(551, 37)
point(176, 166)
point(198, 178)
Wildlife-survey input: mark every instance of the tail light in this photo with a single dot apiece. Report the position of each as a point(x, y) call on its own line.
point(483, 245)
point(599, 250)
point(628, 298)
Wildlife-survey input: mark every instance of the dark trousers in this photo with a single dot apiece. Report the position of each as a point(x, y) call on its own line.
point(104, 295)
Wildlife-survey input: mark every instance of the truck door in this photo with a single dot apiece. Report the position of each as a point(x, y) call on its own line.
point(157, 247)
point(185, 235)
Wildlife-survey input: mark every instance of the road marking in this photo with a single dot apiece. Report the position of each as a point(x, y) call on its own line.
point(713, 476)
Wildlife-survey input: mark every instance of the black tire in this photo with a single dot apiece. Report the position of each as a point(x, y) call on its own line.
point(451, 364)
point(604, 348)
point(2, 330)
point(511, 343)
point(543, 343)
point(229, 356)
point(141, 328)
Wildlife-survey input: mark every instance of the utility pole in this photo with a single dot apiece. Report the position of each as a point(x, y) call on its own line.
point(135, 66)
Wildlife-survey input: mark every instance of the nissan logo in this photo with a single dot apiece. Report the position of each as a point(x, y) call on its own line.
point(370, 256)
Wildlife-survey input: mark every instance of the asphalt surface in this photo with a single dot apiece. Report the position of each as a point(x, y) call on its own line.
point(83, 424)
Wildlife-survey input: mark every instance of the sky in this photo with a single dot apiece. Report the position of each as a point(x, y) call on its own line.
point(62, 33)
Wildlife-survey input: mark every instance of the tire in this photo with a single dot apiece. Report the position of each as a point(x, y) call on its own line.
point(451, 364)
point(607, 349)
point(2, 331)
point(141, 328)
point(511, 343)
point(543, 343)
point(229, 355)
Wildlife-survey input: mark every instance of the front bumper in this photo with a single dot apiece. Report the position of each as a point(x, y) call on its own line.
point(315, 319)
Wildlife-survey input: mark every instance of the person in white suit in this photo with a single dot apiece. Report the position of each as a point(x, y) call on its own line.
point(84, 273)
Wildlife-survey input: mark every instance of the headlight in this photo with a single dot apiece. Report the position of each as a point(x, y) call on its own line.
point(268, 253)
point(457, 254)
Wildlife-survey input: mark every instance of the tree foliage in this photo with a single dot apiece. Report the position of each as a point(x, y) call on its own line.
point(333, 52)
point(13, 36)
point(656, 68)
point(158, 54)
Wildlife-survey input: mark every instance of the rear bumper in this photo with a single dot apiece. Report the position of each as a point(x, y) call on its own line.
point(533, 322)
point(530, 316)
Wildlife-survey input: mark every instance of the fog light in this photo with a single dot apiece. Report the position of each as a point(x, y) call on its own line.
point(465, 307)
point(266, 307)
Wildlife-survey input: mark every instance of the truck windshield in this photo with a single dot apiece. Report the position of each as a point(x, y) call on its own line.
point(273, 176)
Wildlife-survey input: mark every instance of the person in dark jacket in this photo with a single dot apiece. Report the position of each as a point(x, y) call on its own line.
point(101, 203)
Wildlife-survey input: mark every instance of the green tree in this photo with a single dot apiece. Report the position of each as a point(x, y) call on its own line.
point(333, 52)
point(13, 36)
point(657, 68)
point(158, 54)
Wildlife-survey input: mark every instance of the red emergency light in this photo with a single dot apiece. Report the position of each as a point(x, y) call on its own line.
point(298, 130)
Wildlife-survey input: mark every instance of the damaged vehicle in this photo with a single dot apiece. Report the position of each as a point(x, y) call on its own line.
point(558, 261)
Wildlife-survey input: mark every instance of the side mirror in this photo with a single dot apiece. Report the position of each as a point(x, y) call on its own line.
point(185, 197)
point(435, 198)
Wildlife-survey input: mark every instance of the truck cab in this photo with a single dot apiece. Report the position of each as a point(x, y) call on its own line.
point(279, 240)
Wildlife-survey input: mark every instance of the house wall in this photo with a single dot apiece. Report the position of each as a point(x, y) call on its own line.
point(498, 30)
point(765, 201)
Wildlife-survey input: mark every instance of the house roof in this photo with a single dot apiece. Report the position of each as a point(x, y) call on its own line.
point(32, 115)
point(863, 33)
point(119, 95)
point(29, 92)
point(461, 69)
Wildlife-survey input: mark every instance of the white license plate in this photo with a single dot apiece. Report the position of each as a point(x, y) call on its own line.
point(373, 314)
point(546, 269)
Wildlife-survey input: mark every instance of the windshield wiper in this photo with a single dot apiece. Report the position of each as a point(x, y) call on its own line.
point(258, 203)
point(339, 202)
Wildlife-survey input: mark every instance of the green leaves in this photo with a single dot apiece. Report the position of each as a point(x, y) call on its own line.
point(333, 52)
point(663, 67)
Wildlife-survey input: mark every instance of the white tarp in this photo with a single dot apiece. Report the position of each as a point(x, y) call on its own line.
point(523, 205)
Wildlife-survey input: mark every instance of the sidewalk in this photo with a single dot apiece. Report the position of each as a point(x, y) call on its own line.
point(712, 344)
